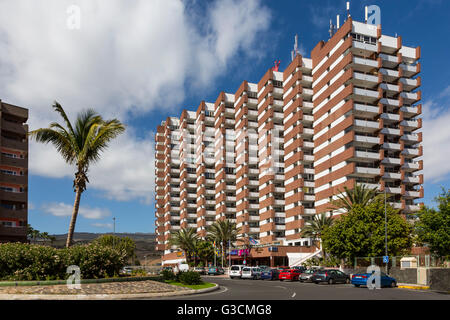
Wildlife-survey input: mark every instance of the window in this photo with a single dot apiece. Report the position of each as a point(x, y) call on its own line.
point(277, 84)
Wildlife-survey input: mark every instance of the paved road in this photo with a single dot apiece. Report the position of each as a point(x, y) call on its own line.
point(281, 290)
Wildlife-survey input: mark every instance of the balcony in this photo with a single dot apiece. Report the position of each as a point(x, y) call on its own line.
point(366, 156)
point(365, 95)
point(411, 166)
point(391, 161)
point(394, 190)
point(364, 47)
point(409, 84)
point(409, 70)
point(390, 131)
point(390, 102)
point(13, 196)
point(410, 124)
point(389, 75)
point(410, 153)
point(365, 80)
point(410, 137)
point(14, 127)
point(366, 140)
point(366, 126)
point(367, 172)
point(390, 88)
point(389, 61)
point(13, 231)
point(391, 146)
point(412, 194)
point(14, 162)
point(411, 208)
point(364, 65)
point(410, 97)
point(14, 144)
point(412, 179)
point(15, 214)
point(365, 111)
point(395, 205)
point(392, 176)
point(390, 117)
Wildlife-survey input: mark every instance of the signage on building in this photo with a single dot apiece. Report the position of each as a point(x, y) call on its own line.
point(273, 249)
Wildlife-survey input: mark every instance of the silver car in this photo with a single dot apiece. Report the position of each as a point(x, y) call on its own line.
point(251, 273)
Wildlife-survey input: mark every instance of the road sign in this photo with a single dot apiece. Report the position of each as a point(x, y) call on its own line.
point(245, 262)
point(385, 259)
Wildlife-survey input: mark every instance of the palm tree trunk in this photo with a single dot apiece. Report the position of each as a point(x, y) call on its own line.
point(73, 220)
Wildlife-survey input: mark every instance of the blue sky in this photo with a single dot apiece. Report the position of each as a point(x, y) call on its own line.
point(146, 60)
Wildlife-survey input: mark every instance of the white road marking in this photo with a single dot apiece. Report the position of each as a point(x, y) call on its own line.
point(294, 294)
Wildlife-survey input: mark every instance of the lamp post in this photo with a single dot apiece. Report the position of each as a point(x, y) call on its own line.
point(114, 223)
point(385, 229)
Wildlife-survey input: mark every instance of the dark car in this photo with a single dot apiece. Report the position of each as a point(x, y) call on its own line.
point(299, 268)
point(360, 279)
point(270, 274)
point(289, 274)
point(330, 276)
point(215, 271)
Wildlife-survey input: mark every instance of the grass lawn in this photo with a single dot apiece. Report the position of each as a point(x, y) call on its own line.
point(204, 285)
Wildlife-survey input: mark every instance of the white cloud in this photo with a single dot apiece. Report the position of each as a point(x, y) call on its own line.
point(126, 59)
point(436, 141)
point(103, 225)
point(61, 209)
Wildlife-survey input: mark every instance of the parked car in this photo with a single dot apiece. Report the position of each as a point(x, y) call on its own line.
point(289, 274)
point(300, 268)
point(306, 275)
point(236, 271)
point(330, 276)
point(215, 271)
point(251, 273)
point(360, 279)
point(270, 274)
point(127, 270)
point(200, 270)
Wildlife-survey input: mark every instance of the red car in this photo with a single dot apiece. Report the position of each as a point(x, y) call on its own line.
point(289, 274)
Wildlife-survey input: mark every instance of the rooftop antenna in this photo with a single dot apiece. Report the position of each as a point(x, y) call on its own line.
point(276, 65)
point(337, 23)
point(367, 14)
point(295, 51)
point(348, 9)
point(331, 31)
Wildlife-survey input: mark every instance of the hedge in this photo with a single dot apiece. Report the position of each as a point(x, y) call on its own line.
point(19, 261)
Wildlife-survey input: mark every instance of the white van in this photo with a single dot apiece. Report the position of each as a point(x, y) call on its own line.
point(182, 267)
point(236, 271)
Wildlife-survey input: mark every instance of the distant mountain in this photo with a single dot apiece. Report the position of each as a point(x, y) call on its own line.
point(89, 236)
point(145, 242)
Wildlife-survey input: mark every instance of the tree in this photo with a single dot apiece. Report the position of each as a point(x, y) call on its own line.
point(122, 243)
point(223, 232)
point(359, 195)
point(361, 233)
point(317, 227)
point(205, 251)
point(185, 239)
point(81, 146)
point(433, 226)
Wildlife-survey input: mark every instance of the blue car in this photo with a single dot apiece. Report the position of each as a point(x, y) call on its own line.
point(360, 279)
point(270, 274)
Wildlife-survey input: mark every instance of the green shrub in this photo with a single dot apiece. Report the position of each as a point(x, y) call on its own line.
point(168, 275)
point(190, 278)
point(139, 273)
point(21, 261)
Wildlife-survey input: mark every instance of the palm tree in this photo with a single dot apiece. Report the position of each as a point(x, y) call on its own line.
point(360, 195)
point(316, 228)
point(186, 239)
point(81, 146)
point(223, 231)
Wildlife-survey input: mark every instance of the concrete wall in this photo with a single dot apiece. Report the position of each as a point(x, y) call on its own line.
point(439, 279)
point(404, 275)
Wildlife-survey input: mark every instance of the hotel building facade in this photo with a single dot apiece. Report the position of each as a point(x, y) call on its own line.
point(275, 153)
point(13, 173)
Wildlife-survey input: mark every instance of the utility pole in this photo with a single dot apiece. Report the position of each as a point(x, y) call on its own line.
point(114, 228)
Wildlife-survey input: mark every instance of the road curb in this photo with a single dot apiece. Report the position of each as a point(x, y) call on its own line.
point(106, 296)
point(413, 287)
